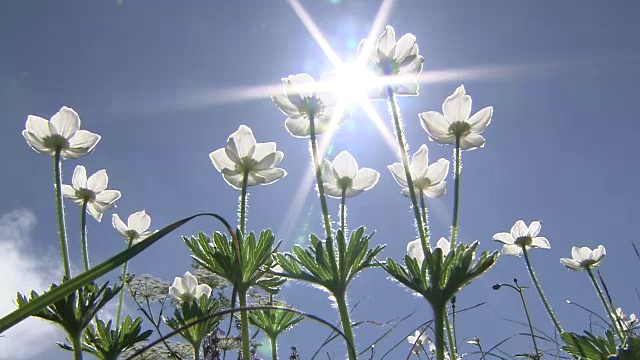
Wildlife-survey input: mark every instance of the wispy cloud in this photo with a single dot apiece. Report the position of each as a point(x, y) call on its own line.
point(22, 271)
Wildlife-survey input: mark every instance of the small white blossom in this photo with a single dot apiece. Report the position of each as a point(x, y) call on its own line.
point(343, 174)
point(137, 227)
point(584, 258)
point(243, 155)
point(61, 133)
point(93, 191)
point(414, 248)
point(627, 324)
point(302, 98)
point(427, 179)
point(456, 108)
point(394, 59)
point(416, 341)
point(187, 288)
point(522, 236)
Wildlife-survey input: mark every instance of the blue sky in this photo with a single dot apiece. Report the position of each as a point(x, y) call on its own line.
point(154, 79)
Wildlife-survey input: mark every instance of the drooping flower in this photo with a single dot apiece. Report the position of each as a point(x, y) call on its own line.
point(427, 179)
point(399, 61)
point(625, 323)
point(414, 248)
point(584, 258)
point(455, 122)
point(302, 98)
point(93, 191)
point(343, 174)
point(137, 227)
point(243, 155)
point(187, 288)
point(61, 133)
point(417, 340)
point(522, 236)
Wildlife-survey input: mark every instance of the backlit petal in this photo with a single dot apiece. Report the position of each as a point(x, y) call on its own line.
point(297, 127)
point(437, 126)
point(387, 40)
point(457, 106)
point(66, 121)
point(79, 178)
point(221, 161)
point(503, 237)
point(37, 126)
point(98, 181)
point(119, 225)
point(438, 171)
point(420, 162)
point(397, 170)
point(541, 242)
point(519, 229)
point(471, 141)
point(480, 120)
point(139, 221)
point(345, 165)
point(365, 179)
point(510, 249)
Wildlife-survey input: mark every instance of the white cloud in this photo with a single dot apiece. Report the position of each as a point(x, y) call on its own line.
point(23, 271)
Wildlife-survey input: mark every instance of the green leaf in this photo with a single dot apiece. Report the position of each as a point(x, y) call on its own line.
point(103, 268)
point(588, 346)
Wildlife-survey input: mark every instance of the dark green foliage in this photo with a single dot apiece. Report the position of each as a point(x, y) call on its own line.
point(188, 312)
point(107, 343)
point(589, 346)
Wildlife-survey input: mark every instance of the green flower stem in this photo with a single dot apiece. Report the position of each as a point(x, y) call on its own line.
point(76, 344)
point(614, 323)
point(452, 343)
point(122, 281)
point(346, 324)
point(196, 351)
point(397, 124)
point(552, 315)
point(438, 323)
point(456, 193)
point(343, 213)
point(526, 312)
point(318, 171)
point(243, 201)
point(244, 325)
point(62, 231)
point(83, 236)
point(425, 216)
point(274, 348)
point(484, 356)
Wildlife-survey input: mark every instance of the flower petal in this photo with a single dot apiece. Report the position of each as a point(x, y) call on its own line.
point(94, 210)
point(457, 106)
point(438, 171)
point(480, 120)
point(408, 88)
point(519, 229)
point(420, 162)
point(505, 238)
point(190, 282)
point(270, 176)
point(139, 221)
point(328, 173)
point(332, 190)
point(79, 178)
point(82, 143)
point(234, 179)
point(119, 225)
point(299, 86)
point(203, 289)
point(68, 191)
point(584, 253)
point(397, 170)
point(221, 161)
point(444, 245)
point(285, 105)
point(511, 249)
point(437, 126)
point(435, 191)
point(108, 196)
point(263, 150)
point(38, 126)
point(98, 181)
point(414, 250)
point(365, 179)
point(471, 141)
point(387, 41)
point(405, 46)
point(345, 165)
point(66, 121)
point(540, 242)
point(298, 127)
point(571, 264)
point(35, 143)
point(534, 228)
point(242, 142)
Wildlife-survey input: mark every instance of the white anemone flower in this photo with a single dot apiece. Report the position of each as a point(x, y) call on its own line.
point(61, 133)
point(243, 155)
point(187, 288)
point(522, 236)
point(427, 179)
point(399, 60)
point(456, 108)
point(626, 324)
point(417, 340)
point(93, 191)
point(343, 174)
point(137, 227)
point(414, 248)
point(302, 98)
point(584, 258)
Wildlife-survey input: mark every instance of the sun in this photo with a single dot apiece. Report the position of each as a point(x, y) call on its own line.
point(354, 82)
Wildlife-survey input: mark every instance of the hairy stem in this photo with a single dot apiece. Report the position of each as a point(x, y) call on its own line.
point(343, 213)
point(318, 172)
point(62, 231)
point(552, 315)
point(76, 344)
point(452, 344)
point(425, 215)
point(346, 324)
point(274, 348)
point(614, 323)
point(394, 109)
point(438, 323)
point(244, 325)
point(83, 236)
point(456, 193)
point(243, 201)
point(123, 279)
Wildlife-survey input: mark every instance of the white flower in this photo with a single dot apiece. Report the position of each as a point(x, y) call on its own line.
point(416, 341)
point(584, 258)
point(301, 98)
point(61, 133)
point(414, 248)
point(92, 191)
point(343, 174)
point(243, 155)
point(427, 179)
point(391, 58)
point(626, 324)
point(187, 288)
point(520, 237)
point(443, 129)
point(136, 228)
